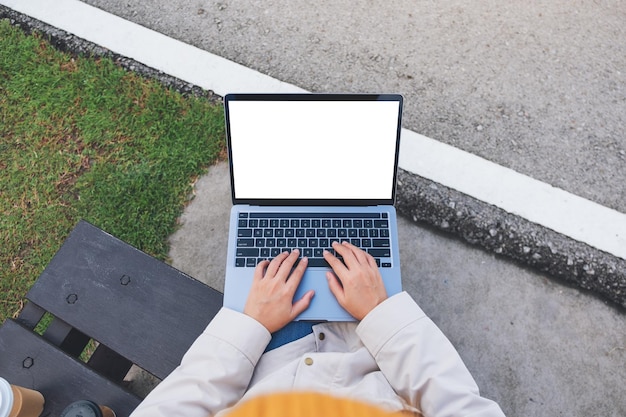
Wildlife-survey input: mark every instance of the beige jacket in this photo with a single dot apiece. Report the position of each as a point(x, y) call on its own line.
point(396, 357)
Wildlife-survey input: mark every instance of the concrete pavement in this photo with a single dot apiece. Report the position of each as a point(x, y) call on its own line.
point(534, 345)
point(537, 347)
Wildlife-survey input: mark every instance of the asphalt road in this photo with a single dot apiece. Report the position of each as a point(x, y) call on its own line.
point(538, 87)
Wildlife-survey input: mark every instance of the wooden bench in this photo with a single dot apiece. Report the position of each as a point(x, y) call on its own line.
point(140, 311)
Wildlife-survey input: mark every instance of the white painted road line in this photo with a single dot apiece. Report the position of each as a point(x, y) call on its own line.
point(148, 47)
point(541, 203)
point(563, 212)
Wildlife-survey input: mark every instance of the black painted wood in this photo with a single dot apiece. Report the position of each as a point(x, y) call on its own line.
point(29, 360)
point(30, 315)
point(139, 307)
point(96, 287)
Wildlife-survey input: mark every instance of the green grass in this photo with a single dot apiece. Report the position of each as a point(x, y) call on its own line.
point(83, 138)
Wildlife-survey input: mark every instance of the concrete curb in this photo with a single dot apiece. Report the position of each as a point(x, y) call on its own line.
point(509, 235)
point(425, 201)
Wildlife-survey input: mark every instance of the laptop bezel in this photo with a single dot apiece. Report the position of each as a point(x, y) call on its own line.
point(312, 97)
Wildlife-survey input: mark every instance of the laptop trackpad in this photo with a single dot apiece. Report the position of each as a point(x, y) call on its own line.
point(324, 303)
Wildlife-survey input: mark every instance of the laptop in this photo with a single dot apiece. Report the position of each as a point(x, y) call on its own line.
point(307, 170)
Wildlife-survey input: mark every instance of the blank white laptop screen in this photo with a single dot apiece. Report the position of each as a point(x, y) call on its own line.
point(313, 149)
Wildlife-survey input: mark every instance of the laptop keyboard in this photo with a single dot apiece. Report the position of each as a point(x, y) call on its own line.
point(265, 235)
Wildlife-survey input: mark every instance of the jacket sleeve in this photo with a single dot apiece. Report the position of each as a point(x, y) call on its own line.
point(420, 363)
point(215, 371)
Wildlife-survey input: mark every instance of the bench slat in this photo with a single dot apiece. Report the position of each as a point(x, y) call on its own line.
point(28, 360)
point(30, 315)
point(139, 307)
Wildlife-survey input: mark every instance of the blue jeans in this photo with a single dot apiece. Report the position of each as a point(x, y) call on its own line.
point(292, 331)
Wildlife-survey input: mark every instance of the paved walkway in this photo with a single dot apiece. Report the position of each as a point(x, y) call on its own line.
point(537, 347)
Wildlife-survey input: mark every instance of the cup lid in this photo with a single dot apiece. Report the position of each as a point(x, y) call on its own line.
point(6, 398)
point(82, 408)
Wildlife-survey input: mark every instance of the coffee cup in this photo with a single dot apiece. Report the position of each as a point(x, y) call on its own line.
point(17, 401)
point(85, 408)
